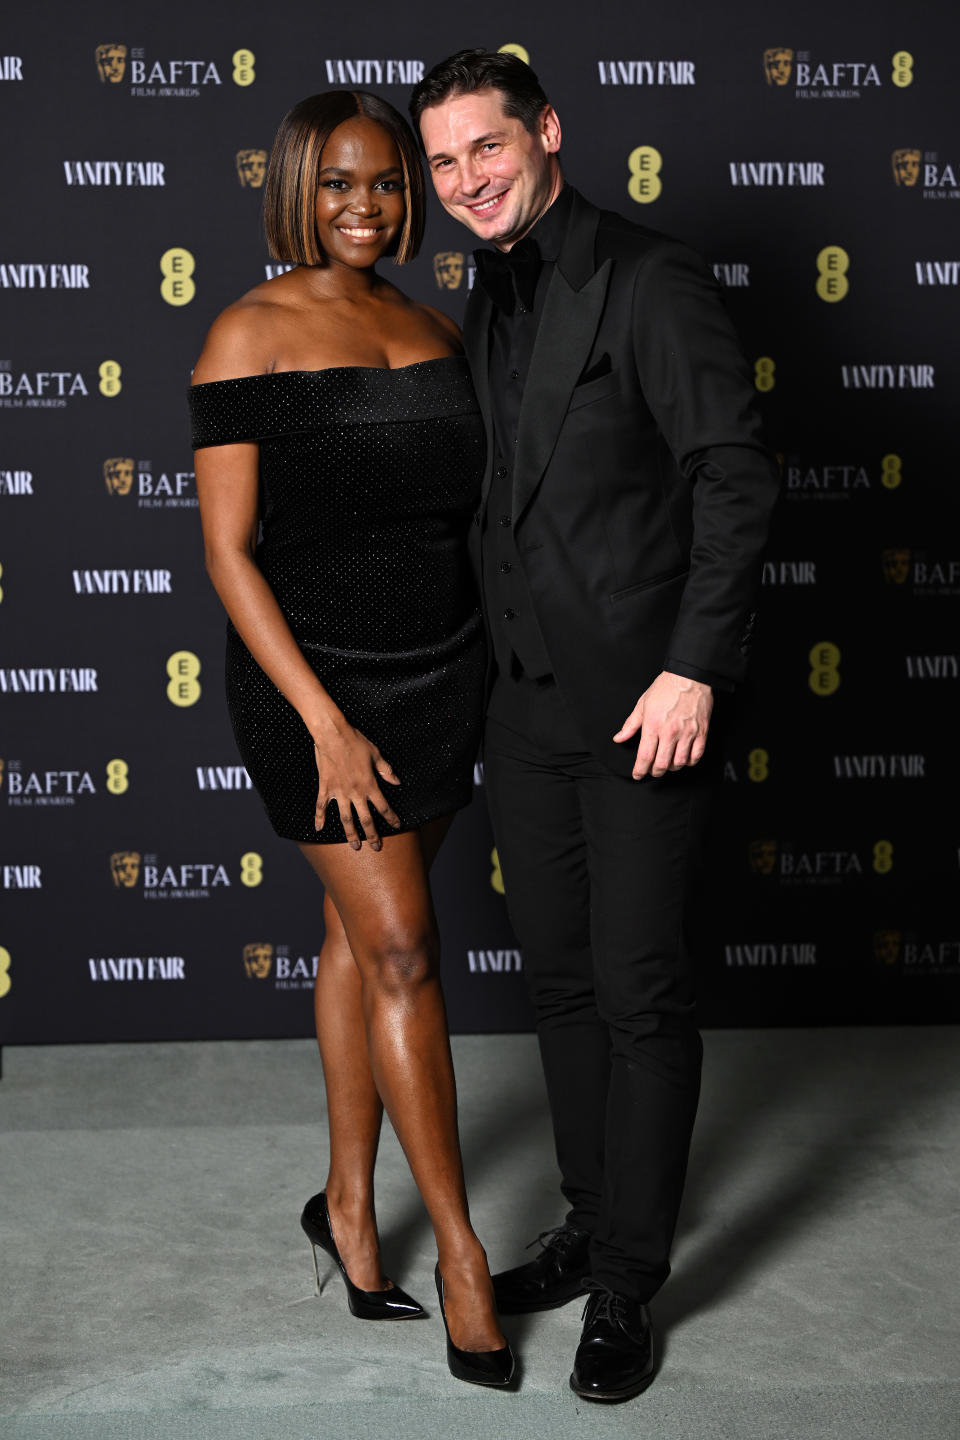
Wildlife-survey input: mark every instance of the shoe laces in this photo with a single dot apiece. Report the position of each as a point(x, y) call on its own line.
point(604, 1303)
point(561, 1239)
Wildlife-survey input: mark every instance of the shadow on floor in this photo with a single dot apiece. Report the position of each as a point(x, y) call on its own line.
point(856, 1093)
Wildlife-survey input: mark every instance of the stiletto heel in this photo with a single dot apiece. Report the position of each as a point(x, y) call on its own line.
point(392, 1304)
point(318, 1284)
point(477, 1367)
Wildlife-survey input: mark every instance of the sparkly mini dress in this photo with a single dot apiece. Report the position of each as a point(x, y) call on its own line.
point(369, 479)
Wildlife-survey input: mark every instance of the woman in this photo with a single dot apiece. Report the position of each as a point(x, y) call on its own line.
point(334, 417)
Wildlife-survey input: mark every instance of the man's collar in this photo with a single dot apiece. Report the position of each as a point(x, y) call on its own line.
point(548, 232)
point(550, 229)
point(508, 274)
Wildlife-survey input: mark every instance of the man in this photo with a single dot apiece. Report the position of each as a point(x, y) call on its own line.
point(624, 511)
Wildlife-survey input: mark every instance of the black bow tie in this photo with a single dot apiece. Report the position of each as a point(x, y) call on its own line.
point(510, 275)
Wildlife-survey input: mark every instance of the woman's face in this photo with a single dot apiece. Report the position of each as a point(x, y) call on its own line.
point(360, 195)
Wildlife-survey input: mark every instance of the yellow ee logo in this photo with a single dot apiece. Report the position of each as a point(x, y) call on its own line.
point(183, 667)
point(110, 383)
point(118, 777)
point(243, 71)
point(177, 265)
point(764, 373)
point(518, 50)
point(902, 69)
point(758, 766)
point(251, 869)
point(5, 981)
point(644, 164)
point(890, 472)
point(833, 262)
point(883, 857)
point(824, 676)
point(496, 875)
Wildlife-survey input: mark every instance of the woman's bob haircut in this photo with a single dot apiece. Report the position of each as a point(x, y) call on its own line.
point(290, 192)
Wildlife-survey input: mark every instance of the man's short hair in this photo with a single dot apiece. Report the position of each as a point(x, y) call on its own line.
point(290, 190)
point(471, 70)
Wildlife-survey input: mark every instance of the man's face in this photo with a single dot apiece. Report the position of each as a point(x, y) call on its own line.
point(778, 63)
point(906, 167)
point(251, 168)
point(111, 62)
point(118, 475)
point(489, 172)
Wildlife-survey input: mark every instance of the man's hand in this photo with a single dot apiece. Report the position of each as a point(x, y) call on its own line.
point(673, 718)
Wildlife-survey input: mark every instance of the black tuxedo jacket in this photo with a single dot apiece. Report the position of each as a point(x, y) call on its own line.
point(642, 487)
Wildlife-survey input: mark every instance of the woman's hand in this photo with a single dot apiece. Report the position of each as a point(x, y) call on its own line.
point(347, 767)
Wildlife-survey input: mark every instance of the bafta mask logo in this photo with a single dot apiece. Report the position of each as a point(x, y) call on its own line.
point(777, 65)
point(448, 269)
point(896, 566)
point(251, 168)
point(111, 63)
point(257, 960)
point(118, 475)
point(886, 946)
point(906, 168)
point(125, 868)
point(763, 856)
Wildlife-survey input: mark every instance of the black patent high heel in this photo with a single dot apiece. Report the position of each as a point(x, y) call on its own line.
point(392, 1304)
point(477, 1367)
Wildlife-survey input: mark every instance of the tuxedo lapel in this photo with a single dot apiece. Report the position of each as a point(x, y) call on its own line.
point(571, 314)
point(476, 343)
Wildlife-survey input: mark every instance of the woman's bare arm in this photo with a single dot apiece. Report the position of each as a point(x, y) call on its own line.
point(227, 488)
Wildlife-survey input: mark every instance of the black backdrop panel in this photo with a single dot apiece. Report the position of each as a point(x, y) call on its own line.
point(812, 156)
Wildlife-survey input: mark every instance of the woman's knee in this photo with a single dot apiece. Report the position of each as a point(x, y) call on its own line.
point(402, 958)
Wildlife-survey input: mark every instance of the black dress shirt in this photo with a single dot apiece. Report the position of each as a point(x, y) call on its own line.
point(515, 632)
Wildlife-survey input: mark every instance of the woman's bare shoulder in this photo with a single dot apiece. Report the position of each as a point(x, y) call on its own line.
point(447, 327)
point(243, 338)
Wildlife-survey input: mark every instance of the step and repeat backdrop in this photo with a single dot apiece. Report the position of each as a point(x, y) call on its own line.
point(813, 159)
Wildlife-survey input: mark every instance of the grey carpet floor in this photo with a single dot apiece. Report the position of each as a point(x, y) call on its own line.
point(155, 1282)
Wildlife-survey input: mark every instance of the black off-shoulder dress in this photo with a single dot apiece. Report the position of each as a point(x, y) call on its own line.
point(369, 480)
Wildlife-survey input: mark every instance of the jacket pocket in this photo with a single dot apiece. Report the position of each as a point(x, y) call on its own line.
point(592, 390)
point(663, 578)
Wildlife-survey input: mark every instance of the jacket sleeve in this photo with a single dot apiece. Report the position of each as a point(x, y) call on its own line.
point(699, 389)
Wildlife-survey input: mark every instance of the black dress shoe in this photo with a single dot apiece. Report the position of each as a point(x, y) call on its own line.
point(391, 1304)
point(614, 1359)
point(477, 1367)
point(558, 1274)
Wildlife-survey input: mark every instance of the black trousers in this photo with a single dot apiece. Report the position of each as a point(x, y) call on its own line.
point(600, 875)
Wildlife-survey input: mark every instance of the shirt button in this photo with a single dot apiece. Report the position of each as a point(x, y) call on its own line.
point(505, 521)
point(505, 567)
point(514, 374)
point(501, 472)
point(509, 614)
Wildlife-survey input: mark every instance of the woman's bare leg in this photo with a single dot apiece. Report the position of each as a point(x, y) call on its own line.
point(383, 901)
point(354, 1108)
